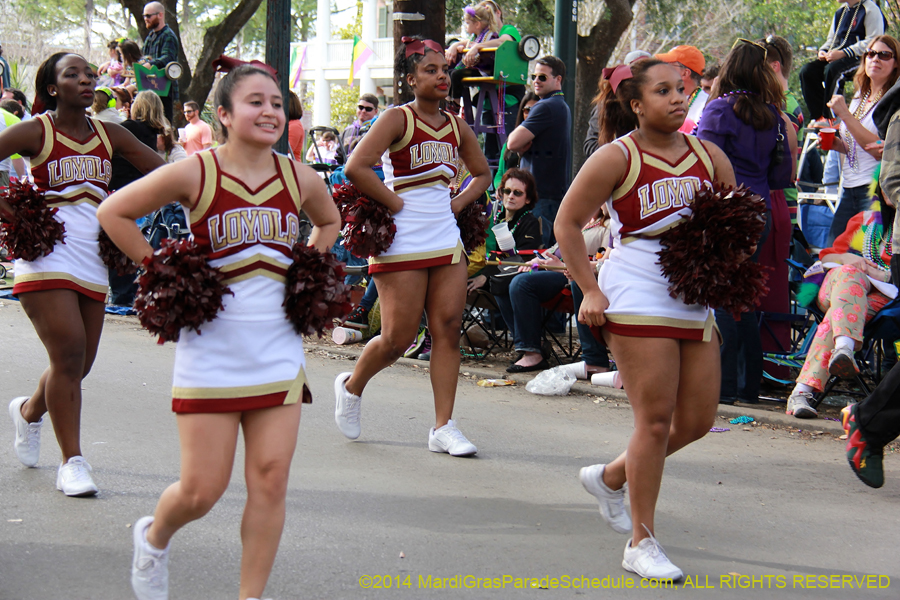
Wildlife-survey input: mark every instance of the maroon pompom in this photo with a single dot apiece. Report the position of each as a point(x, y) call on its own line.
point(114, 258)
point(178, 289)
point(473, 224)
point(704, 258)
point(368, 226)
point(31, 232)
point(315, 292)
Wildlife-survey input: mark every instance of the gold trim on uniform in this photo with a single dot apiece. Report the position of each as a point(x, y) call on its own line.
point(100, 128)
point(408, 132)
point(280, 278)
point(289, 175)
point(677, 170)
point(52, 275)
point(707, 326)
point(255, 198)
point(240, 264)
point(634, 168)
point(701, 151)
point(293, 387)
point(91, 201)
point(49, 135)
point(455, 124)
point(456, 253)
point(435, 172)
point(207, 186)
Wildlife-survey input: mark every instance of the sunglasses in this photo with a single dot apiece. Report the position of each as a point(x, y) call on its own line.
point(148, 15)
point(365, 108)
point(752, 43)
point(539, 76)
point(526, 110)
point(883, 54)
point(188, 112)
point(509, 192)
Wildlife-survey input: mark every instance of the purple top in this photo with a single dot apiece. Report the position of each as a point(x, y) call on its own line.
point(749, 150)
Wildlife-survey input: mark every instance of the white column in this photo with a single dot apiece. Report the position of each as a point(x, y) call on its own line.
point(369, 27)
point(322, 107)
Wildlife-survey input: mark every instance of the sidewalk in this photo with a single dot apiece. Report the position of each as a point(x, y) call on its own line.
point(760, 415)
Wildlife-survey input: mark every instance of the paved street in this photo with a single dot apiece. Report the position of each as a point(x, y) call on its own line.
point(760, 504)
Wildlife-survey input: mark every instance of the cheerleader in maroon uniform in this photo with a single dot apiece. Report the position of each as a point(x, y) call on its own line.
point(64, 292)
point(420, 147)
point(246, 371)
point(667, 351)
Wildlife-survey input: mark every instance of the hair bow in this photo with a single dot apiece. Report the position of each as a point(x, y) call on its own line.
point(616, 75)
point(414, 46)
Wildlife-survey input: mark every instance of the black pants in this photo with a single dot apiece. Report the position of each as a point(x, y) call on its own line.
point(457, 87)
point(167, 102)
point(818, 81)
point(878, 415)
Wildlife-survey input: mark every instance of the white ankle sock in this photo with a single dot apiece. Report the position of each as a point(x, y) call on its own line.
point(844, 341)
point(802, 387)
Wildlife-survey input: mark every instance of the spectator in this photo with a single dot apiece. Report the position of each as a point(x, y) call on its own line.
point(13, 107)
point(481, 25)
point(131, 53)
point(508, 158)
point(690, 63)
point(111, 71)
point(323, 150)
point(15, 164)
point(593, 141)
point(744, 119)
point(5, 77)
point(873, 424)
point(197, 133)
point(19, 96)
point(123, 101)
point(877, 72)
point(708, 78)
point(860, 255)
point(161, 48)
point(852, 29)
point(544, 141)
point(168, 149)
point(366, 113)
point(295, 127)
point(104, 106)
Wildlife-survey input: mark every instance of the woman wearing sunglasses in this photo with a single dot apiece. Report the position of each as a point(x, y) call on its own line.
point(877, 73)
point(744, 119)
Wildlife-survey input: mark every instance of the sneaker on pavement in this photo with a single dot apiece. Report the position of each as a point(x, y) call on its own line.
point(842, 364)
point(649, 560)
point(74, 478)
point(358, 317)
point(449, 439)
point(612, 502)
point(416, 347)
point(150, 567)
point(865, 460)
point(28, 435)
point(425, 354)
point(798, 405)
point(346, 408)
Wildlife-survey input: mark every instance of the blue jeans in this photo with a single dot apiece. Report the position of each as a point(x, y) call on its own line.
point(371, 295)
point(522, 310)
point(741, 351)
point(351, 260)
point(853, 201)
point(546, 210)
point(592, 351)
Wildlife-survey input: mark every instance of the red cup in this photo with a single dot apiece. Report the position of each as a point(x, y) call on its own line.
point(826, 138)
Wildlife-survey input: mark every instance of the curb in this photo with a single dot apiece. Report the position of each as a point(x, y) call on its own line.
point(725, 410)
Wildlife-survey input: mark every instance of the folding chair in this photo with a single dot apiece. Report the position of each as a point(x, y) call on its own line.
point(480, 335)
point(561, 345)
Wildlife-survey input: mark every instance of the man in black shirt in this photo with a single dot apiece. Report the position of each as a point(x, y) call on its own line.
point(544, 140)
point(160, 48)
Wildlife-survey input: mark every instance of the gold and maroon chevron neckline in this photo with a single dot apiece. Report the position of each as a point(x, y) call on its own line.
point(266, 191)
point(79, 147)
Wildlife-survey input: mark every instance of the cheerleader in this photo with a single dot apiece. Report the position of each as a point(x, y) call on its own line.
point(64, 292)
point(667, 351)
point(424, 269)
point(246, 371)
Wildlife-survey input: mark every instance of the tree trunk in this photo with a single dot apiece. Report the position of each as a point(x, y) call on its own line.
point(593, 53)
point(432, 27)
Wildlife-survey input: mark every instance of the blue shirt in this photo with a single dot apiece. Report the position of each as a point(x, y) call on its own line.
point(550, 157)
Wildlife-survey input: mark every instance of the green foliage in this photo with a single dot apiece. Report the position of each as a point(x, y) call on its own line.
point(303, 15)
point(18, 76)
point(351, 29)
point(343, 104)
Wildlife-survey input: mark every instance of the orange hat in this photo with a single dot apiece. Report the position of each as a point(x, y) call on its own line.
point(689, 56)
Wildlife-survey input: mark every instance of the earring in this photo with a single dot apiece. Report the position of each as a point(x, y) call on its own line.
point(52, 93)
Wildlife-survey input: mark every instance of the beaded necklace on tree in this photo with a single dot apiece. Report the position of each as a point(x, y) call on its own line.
point(863, 109)
point(873, 248)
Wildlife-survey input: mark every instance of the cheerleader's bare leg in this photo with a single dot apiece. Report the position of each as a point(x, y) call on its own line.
point(444, 306)
point(673, 406)
point(270, 436)
point(69, 325)
point(402, 296)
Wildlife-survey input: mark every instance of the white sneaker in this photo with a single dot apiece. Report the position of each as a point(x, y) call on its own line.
point(74, 478)
point(28, 435)
point(150, 567)
point(649, 560)
point(449, 439)
point(841, 364)
point(798, 405)
point(346, 408)
point(612, 502)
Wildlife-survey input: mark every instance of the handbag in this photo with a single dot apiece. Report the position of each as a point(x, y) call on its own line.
point(500, 281)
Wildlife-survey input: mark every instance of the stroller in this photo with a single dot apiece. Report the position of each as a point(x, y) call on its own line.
point(321, 160)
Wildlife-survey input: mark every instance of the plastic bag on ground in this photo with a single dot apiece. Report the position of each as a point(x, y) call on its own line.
point(552, 382)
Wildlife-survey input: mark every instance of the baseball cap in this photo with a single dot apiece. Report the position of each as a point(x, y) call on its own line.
point(636, 55)
point(689, 56)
